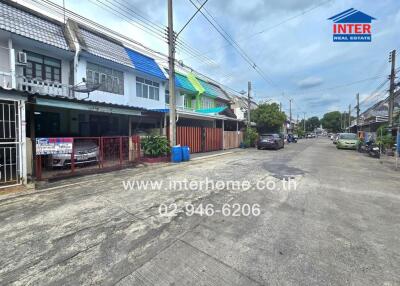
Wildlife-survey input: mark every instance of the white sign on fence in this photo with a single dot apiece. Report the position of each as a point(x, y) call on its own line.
point(48, 146)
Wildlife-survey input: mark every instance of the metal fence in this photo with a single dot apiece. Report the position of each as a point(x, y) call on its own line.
point(90, 155)
point(232, 139)
point(199, 139)
point(9, 143)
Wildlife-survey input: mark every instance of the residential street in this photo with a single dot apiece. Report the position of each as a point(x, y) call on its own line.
point(340, 226)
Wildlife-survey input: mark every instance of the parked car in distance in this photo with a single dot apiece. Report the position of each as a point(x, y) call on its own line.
point(347, 141)
point(271, 141)
point(308, 136)
point(85, 153)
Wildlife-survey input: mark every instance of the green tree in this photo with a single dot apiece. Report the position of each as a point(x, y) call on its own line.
point(312, 123)
point(331, 121)
point(268, 117)
point(250, 137)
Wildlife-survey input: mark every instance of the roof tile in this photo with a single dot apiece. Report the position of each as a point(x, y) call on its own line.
point(31, 26)
point(105, 48)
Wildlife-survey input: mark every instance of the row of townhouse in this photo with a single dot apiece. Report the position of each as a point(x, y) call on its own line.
point(377, 115)
point(70, 78)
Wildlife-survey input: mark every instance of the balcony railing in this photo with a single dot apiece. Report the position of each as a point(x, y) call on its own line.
point(6, 75)
point(6, 80)
point(44, 87)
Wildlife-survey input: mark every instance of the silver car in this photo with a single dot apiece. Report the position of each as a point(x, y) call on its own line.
point(85, 152)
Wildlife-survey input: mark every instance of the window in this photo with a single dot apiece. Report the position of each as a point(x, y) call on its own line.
point(148, 89)
point(166, 96)
point(187, 101)
point(207, 102)
point(111, 80)
point(42, 67)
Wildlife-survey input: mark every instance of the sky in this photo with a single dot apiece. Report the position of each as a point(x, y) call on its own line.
point(289, 40)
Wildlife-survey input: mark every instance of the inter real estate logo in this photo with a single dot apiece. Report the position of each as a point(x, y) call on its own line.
point(352, 26)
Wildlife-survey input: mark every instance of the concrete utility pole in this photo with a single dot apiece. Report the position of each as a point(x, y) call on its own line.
point(358, 110)
point(349, 116)
point(171, 72)
point(341, 121)
point(248, 103)
point(304, 122)
point(392, 59)
point(290, 114)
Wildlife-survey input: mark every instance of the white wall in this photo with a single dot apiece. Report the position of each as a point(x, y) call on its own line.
point(129, 97)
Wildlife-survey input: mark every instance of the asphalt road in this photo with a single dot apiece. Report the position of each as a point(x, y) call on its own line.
point(338, 224)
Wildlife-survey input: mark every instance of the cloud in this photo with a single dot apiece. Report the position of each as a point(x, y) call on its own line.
point(309, 82)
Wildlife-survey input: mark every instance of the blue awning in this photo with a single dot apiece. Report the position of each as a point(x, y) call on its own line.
point(145, 64)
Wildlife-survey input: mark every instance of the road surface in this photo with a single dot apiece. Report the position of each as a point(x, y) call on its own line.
point(339, 224)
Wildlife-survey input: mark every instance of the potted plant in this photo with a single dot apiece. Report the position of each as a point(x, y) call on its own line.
point(155, 149)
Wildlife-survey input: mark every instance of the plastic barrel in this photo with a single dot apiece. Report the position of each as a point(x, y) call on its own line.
point(176, 154)
point(185, 153)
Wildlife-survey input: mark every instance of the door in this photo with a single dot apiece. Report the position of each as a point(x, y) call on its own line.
point(10, 172)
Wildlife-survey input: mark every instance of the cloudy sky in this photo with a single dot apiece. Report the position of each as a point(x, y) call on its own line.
point(289, 40)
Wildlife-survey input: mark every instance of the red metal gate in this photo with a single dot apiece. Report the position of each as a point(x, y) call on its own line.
point(189, 136)
point(89, 154)
point(199, 139)
point(213, 139)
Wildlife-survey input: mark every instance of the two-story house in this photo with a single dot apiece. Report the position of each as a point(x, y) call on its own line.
point(74, 79)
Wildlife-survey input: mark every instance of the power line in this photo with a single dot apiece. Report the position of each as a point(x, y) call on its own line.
point(60, 10)
point(268, 28)
point(338, 86)
point(232, 42)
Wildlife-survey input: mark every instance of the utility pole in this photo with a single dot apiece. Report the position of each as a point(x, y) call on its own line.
point(171, 61)
point(280, 106)
point(358, 110)
point(349, 116)
point(248, 103)
point(290, 114)
point(341, 121)
point(304, 122)
point(392, 59)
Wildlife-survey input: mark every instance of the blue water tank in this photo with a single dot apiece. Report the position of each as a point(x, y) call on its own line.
point(185, 153)
point(176, 154)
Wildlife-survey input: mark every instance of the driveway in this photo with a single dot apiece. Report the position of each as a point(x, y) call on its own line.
point(338, 225)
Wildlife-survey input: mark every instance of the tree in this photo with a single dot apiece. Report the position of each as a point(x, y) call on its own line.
point(312, 123)
point(331, 121)
point(268, 117)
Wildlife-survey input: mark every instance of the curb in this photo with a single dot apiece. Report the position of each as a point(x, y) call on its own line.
point(211, 156)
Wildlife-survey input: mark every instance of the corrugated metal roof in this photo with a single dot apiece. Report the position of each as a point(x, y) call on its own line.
point(104, 48)
point(183, 82)
point(210, 90)
point(195, 82)
point(31, 26)
point(145, 64)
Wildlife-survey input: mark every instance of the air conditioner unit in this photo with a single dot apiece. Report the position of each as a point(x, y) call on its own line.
point(22, 58)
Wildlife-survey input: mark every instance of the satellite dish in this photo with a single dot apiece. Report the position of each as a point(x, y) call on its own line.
point(86, 87)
